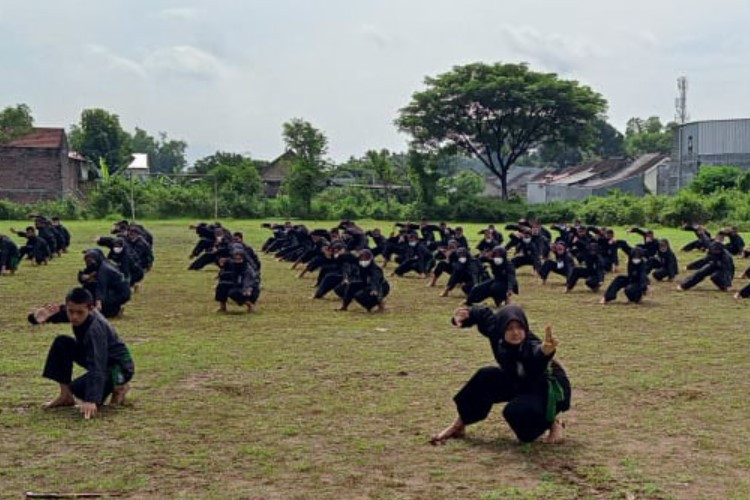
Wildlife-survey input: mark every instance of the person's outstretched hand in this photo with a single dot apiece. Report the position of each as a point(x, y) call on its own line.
point(460, 315)
point(550, 342)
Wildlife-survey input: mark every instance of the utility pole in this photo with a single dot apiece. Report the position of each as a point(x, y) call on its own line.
point(680, 103)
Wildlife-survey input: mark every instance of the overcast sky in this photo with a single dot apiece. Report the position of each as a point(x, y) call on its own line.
point(225, 75)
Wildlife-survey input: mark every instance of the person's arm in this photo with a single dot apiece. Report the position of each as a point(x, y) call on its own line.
point(697, 264)
point(479, 316)
point(49, 313)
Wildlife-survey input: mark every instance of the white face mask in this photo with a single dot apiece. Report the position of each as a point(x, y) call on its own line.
point(462, 260)
point(498, 260)
point(527, 240)
point(636, 261)
point(365, 263)
point(117, 249)
point(560, 265)
point(488, 240)
point(413, 243)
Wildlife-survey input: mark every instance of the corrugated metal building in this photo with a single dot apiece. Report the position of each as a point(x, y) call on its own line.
point(596, 178)
point(712, 142)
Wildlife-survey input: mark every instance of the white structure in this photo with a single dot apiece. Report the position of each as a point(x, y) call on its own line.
point(138, 168)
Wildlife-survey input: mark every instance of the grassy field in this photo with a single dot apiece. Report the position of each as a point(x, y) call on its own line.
point(297, 401)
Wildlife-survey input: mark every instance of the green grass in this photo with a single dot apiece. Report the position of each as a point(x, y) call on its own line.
point(297, 401)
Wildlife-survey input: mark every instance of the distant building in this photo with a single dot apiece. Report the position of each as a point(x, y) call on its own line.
point(138, 167)
point(39, 166)
point(518, 178)
point(714, 142)
point(276, 172)
point(595, 178)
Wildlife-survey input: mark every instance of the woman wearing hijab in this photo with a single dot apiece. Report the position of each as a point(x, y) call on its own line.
point(635, 282)
point(534, 386)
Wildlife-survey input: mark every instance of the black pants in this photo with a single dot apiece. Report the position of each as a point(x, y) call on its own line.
point(525, 260)
point(745, 292)
point(112, 304)
point(716, 277)
point(226, 291)
point(59, 367)
point(329, 282)
point(633, 291)
point(443, 266)
point(410, 265)
point(592, 279)
point(490, 288)
point(526, 411)
point(357, 291)
point(203, 245)
point(660, 273)
point(203, 261)
point(550, 266)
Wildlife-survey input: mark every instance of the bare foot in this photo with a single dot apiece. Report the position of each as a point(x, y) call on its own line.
point(137, 288)
point(444, 293)
point(118, 394)
point(59, 401)
point(679, 287)
point(556, 433)
point(737, 296)
point(456, 430)
point(222, 308)
point(250, 307)
point(603, 301)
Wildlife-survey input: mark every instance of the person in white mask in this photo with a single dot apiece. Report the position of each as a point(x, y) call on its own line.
point(635, 283)
point(503, 283)
point(367, 286)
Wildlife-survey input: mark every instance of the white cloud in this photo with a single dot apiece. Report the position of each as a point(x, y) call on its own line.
point(178, 13)
point(116, 62)
point(558, 53)
point(185, 60)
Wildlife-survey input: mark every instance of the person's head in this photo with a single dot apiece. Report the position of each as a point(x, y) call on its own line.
point(55, 221)
point(338, 249)
point(649, 235)
point(513, 324)
point(423, 222)
point(133, 233)
point(610, 234)
point(452, 245)
point(499, 255)
point(459, 231)
point(376, 232)
point(93, 258)
point(238, 237)
point(365, 258)
point(327, 250)
point(559, 248)
point(463, 255)
point(716, 248)
point(238, 257)
point(118, 245)
point(663, 245)
point(30, 231)
point(489, 235)
point(526, 237)
point(413, 239)
point(78, 304)
point(536, 230)
point(581, 231)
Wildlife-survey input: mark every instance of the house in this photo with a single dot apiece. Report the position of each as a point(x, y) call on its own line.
point(518, 178)
point(138, 167)
point(596, 178)
point(38, 166)
point(276, 172)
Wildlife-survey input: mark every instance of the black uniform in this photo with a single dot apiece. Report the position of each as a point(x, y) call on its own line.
point(535, 387)
point(238, 281)
point(105, 283)
point(9, 256)
point(503, 281)
point(717, 264)
point(635, 282)
point(368, 287)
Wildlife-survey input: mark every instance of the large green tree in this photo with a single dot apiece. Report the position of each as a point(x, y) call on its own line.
point(381, 165)
point(498, 112)
point(648, 136)
point(15, 121)
point(100, 138)
point(164, 155)
point(306, 177)
point(220, 158)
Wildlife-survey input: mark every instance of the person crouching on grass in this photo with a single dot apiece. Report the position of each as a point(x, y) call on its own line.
point(238, 280)
point(535, 386)
point(94, 346)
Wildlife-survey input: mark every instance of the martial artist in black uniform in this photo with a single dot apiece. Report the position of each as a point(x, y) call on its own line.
point(529, 251)
point(445, 258)
point(239, 281)
point(664, 263)
point(95, 346)
point(467, 271)
point(458, 235)
point(717, 264)
point(489, 242)
point(105, 283)
point(535, 387)
point(35, 249)
point(62, 233)
point(650, 245)
point(503, 283)
point(635, 282)
point(702, 238)
point(593, 270)
point(9, 256)
point(137, 240)
point(736, 244)
point(368, 286)
point(416, 257)
point(745, 292)
point(562, 265)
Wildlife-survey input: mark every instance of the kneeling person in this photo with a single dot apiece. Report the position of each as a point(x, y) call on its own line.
point(95, 346)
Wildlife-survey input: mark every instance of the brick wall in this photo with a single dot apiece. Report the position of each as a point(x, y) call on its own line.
point(31, 174)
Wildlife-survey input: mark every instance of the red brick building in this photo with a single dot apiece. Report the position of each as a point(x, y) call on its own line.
point(38, 167)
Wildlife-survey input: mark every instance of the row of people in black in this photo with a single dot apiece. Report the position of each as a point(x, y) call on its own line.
point(46, 239)
point(239, 277)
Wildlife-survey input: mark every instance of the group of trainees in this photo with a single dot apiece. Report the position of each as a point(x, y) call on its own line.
point(239, 268)
point(112, 278)
point(342, 258)
point(46, 239)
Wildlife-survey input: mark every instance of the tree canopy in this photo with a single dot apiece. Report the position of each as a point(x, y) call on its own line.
point(164, 155)
point(648, 136)
point(100, 138)
point(15, 121)
point(498, 112)
point(306, 177)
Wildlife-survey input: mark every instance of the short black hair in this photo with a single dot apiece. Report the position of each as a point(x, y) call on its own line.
point(80, 295)
point(30, 228)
